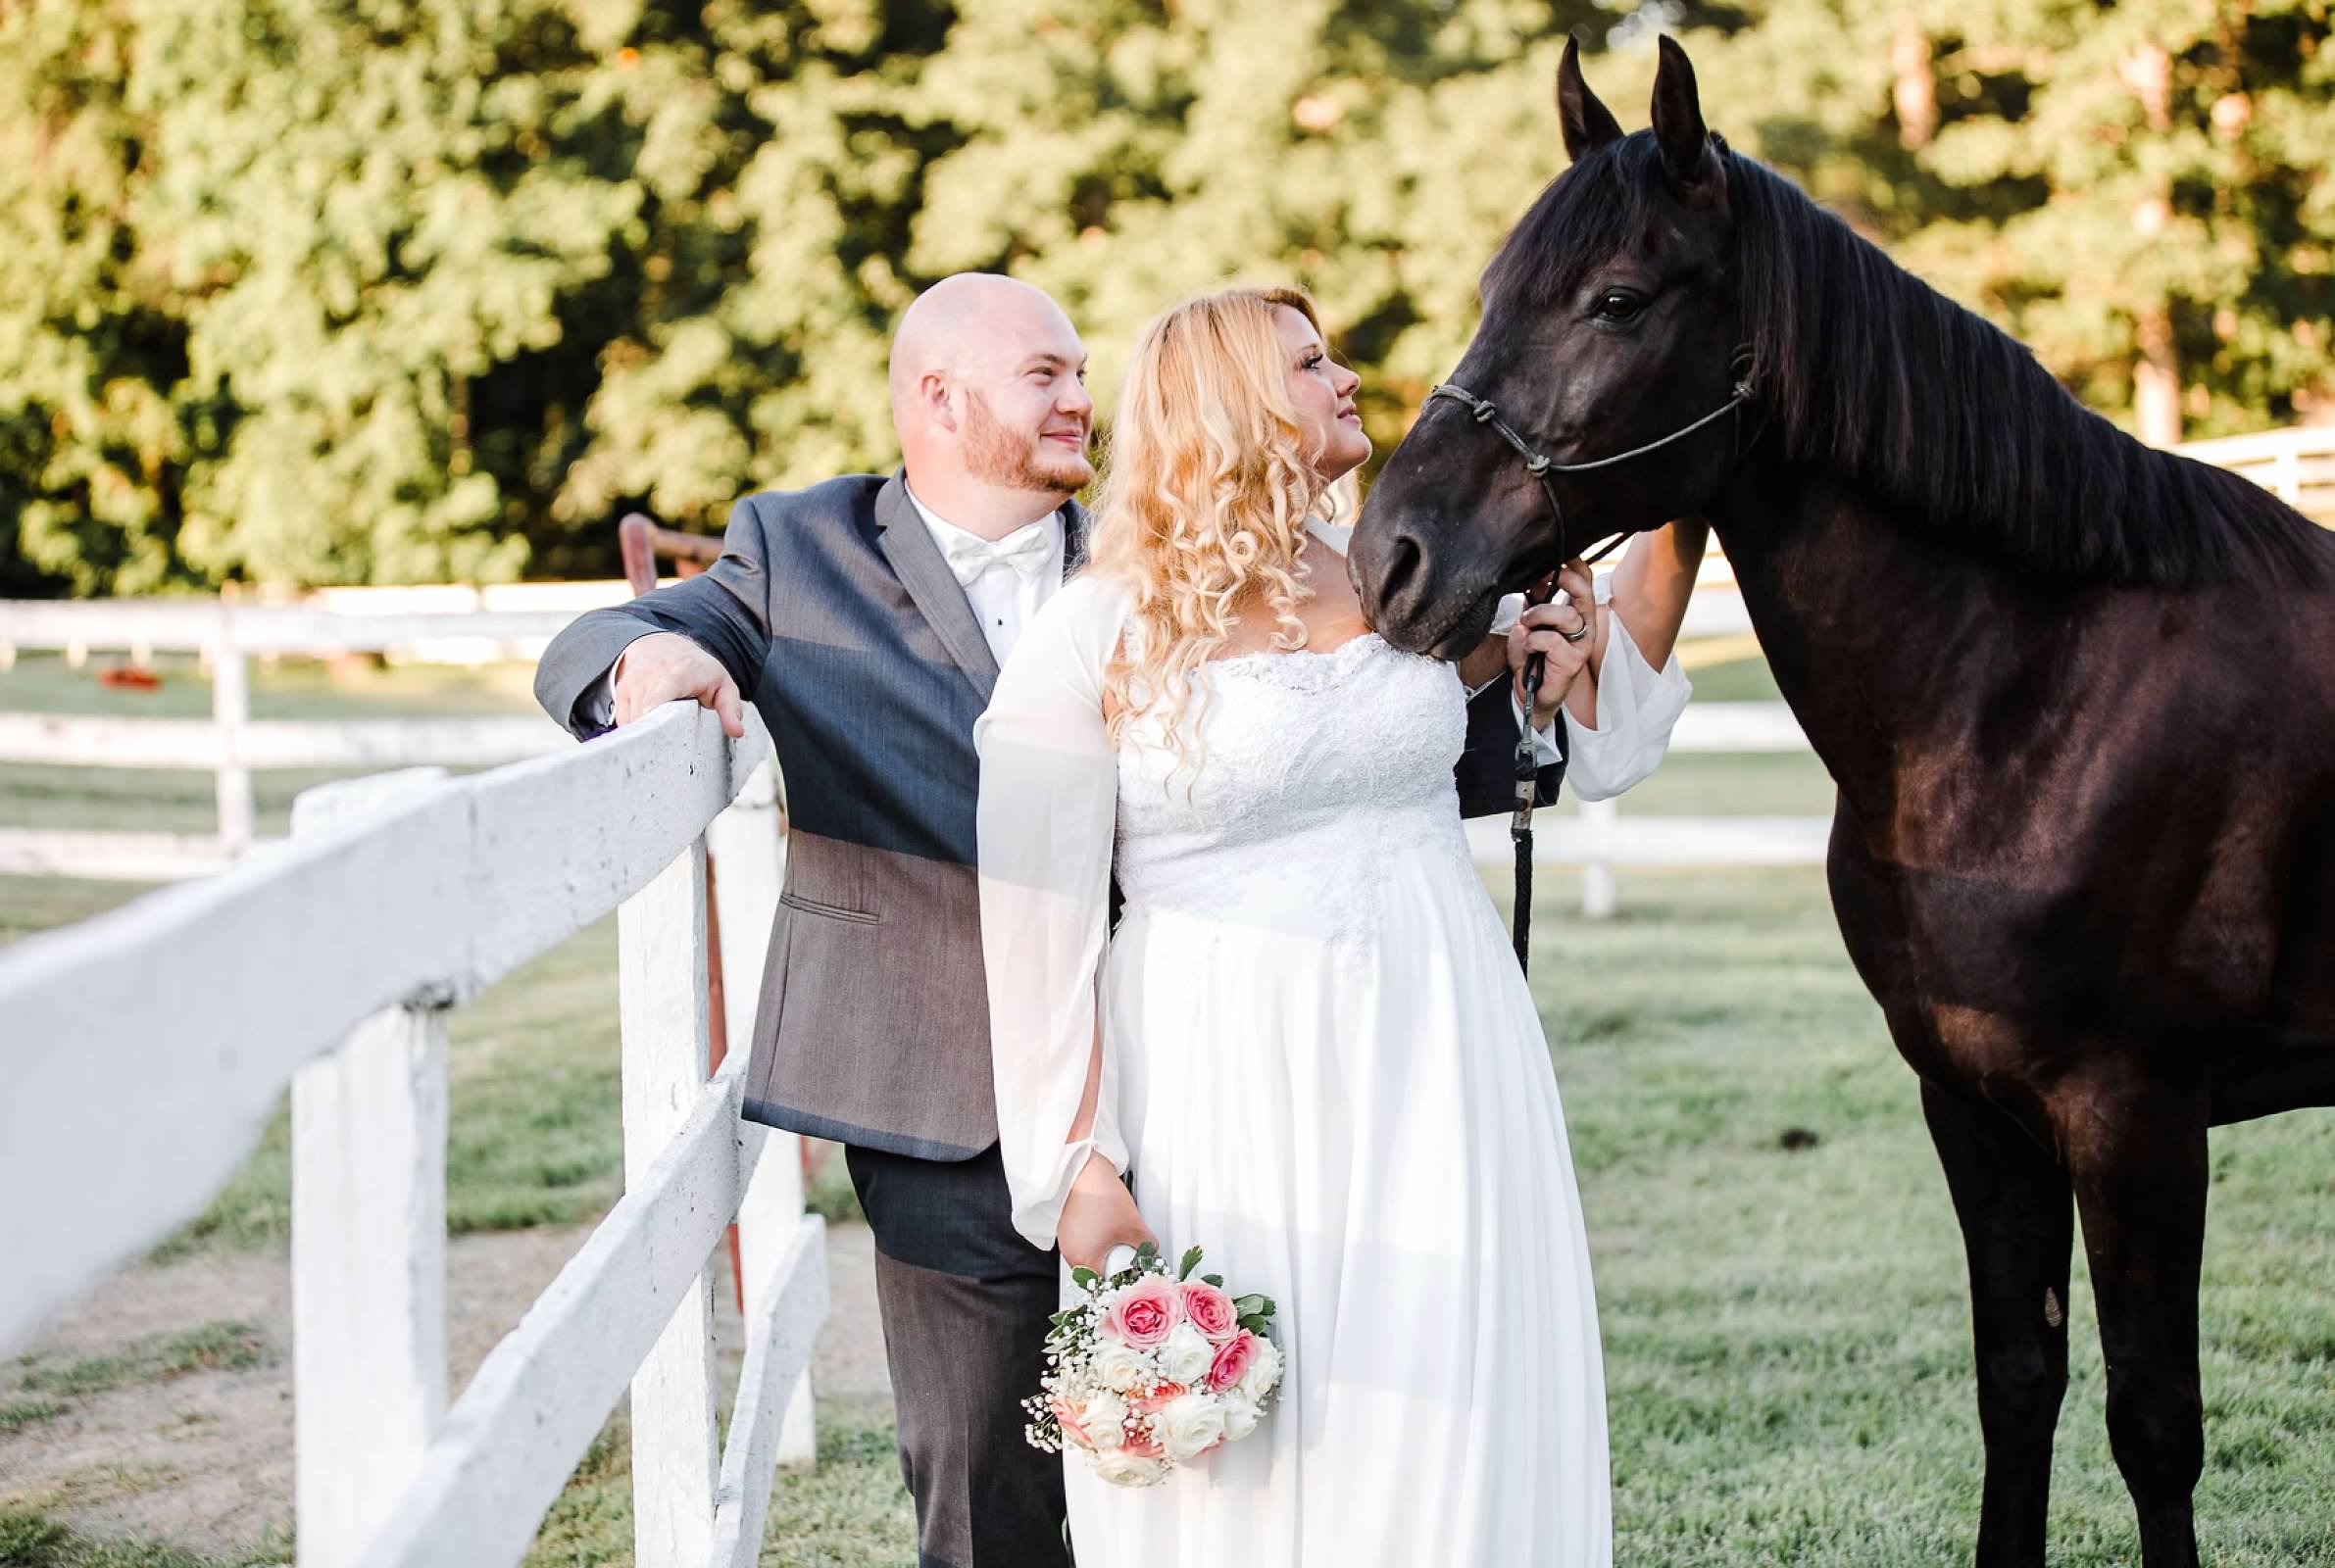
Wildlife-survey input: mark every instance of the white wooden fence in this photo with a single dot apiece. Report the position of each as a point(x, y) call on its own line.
point(233, 745)
point(1600, 838)
point(145, 1050)
point(230, 743)
point(2296, 464)
point(516, 621)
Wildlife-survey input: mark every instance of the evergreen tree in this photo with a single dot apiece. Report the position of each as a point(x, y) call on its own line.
point(2138, 191)
point(391, 290)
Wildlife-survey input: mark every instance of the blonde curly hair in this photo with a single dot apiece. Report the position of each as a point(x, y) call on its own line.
point(1206, 495)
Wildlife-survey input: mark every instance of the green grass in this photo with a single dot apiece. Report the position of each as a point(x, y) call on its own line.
point(1786, 1331)
point(221, 1346)
point(848, 1512)
point(1785, 1319)
point(29, 1539)
point(48, 1387)
point(18, 1414)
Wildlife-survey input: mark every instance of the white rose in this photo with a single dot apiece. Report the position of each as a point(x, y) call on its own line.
point(1121, 1366)
point(1240, 1415)
point(1106, 1420)
point(1124, 1469)
point(1265, 1370)
point(1188, 1425)
point(1186, 1355)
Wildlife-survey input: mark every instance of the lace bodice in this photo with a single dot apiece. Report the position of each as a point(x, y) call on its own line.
point(1303, 770)
point(1315, 768)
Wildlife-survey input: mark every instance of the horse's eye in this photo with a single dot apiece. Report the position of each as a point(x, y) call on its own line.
point(1618, 305)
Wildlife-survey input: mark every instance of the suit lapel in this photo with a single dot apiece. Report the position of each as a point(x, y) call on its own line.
point(925, 572)
point(1076, 525)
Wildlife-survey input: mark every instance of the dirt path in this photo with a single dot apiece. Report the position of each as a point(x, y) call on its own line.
point(192, 1444)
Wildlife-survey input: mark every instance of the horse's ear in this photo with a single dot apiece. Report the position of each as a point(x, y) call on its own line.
point(1687, 153)
point(1588, 124)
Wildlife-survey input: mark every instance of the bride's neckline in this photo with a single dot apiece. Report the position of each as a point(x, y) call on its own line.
point(1333, 536)
point(1261, 655)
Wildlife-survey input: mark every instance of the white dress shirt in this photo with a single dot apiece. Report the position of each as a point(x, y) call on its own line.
point(1017, 579)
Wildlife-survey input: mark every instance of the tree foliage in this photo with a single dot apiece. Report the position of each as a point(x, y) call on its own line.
point(401, 290)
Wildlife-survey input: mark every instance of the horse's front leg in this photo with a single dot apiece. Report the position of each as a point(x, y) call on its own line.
point(2137, 1150)
point(2012, 1196)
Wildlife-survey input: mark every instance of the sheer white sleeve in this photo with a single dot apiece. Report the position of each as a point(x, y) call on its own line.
point(1636, 711)
point(1047, 809)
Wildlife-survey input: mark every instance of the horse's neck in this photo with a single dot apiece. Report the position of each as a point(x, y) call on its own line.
point(1879, 637)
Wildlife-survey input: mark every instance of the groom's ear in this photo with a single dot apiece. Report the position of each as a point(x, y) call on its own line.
point(934, 399)
point(1587, 124)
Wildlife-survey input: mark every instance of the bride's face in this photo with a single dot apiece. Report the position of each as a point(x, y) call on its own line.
point(1322, 392)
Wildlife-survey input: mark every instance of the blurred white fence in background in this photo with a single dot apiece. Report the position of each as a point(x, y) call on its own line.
point(469, 625)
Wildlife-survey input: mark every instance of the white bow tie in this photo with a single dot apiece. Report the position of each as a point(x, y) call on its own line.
point(1025, 550)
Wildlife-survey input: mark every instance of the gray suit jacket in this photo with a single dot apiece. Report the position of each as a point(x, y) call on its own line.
point(838, 618)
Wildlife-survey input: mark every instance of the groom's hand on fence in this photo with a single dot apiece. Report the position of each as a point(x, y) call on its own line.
point(666, 667)
point(1099, 1214)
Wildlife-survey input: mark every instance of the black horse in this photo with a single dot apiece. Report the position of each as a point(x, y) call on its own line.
point(2077, 695)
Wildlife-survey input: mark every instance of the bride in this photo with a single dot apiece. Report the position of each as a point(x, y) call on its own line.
point(1306, 1045)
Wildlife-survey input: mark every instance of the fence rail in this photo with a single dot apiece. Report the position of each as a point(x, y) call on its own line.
point(204, 745)
point(516, 621)
point(2298, 464)
point(232, 745)
point(328, 963)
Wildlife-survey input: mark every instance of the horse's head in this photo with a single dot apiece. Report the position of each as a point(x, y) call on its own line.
point(1609, 323)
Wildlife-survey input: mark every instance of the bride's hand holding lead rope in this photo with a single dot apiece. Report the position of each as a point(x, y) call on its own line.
point(1564, 633)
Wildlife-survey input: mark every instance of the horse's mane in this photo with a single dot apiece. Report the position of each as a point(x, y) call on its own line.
point(1869, 372)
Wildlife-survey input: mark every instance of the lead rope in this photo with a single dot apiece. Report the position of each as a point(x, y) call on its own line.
point(1538, 465)
point(1527, 760)
point(1527, 765)
point(1528, 771)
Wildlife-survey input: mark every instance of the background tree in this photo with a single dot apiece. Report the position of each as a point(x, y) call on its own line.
point(396, 290)
point(2138, 191)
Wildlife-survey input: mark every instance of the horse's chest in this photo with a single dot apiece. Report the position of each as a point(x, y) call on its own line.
point(1981, 976)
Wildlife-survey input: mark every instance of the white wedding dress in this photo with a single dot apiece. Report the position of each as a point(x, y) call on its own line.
point(1323, 1066)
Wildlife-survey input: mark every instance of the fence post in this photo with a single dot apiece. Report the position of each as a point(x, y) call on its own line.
point(2286, 470)
point(368, 1244)
point(1598, 895)
point(745, 842)
point(663, 1013)
point(231, 710)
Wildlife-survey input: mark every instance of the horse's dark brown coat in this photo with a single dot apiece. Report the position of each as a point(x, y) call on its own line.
point(2078, 698)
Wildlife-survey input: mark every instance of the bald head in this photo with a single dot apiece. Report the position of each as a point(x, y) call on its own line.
point(988, 395)
point(962, 324)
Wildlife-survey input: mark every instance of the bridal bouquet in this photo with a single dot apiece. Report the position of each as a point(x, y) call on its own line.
point(1151, 1370)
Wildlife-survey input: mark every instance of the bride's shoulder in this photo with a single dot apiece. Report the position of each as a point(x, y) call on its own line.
point(1094, 599)
point(1079, 624)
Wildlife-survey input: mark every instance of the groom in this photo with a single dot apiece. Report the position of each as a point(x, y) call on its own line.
point(865, 617)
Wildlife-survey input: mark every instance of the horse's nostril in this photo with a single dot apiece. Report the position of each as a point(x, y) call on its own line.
point(1401, 570)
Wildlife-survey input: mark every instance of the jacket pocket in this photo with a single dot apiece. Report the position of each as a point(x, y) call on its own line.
point(831, 912)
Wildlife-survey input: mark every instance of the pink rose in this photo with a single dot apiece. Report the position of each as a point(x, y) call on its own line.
point(1211, 1312)
point(1159, 1399)
point(1145, 1314)
point(1232, 1362)
point(1068, 1415)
